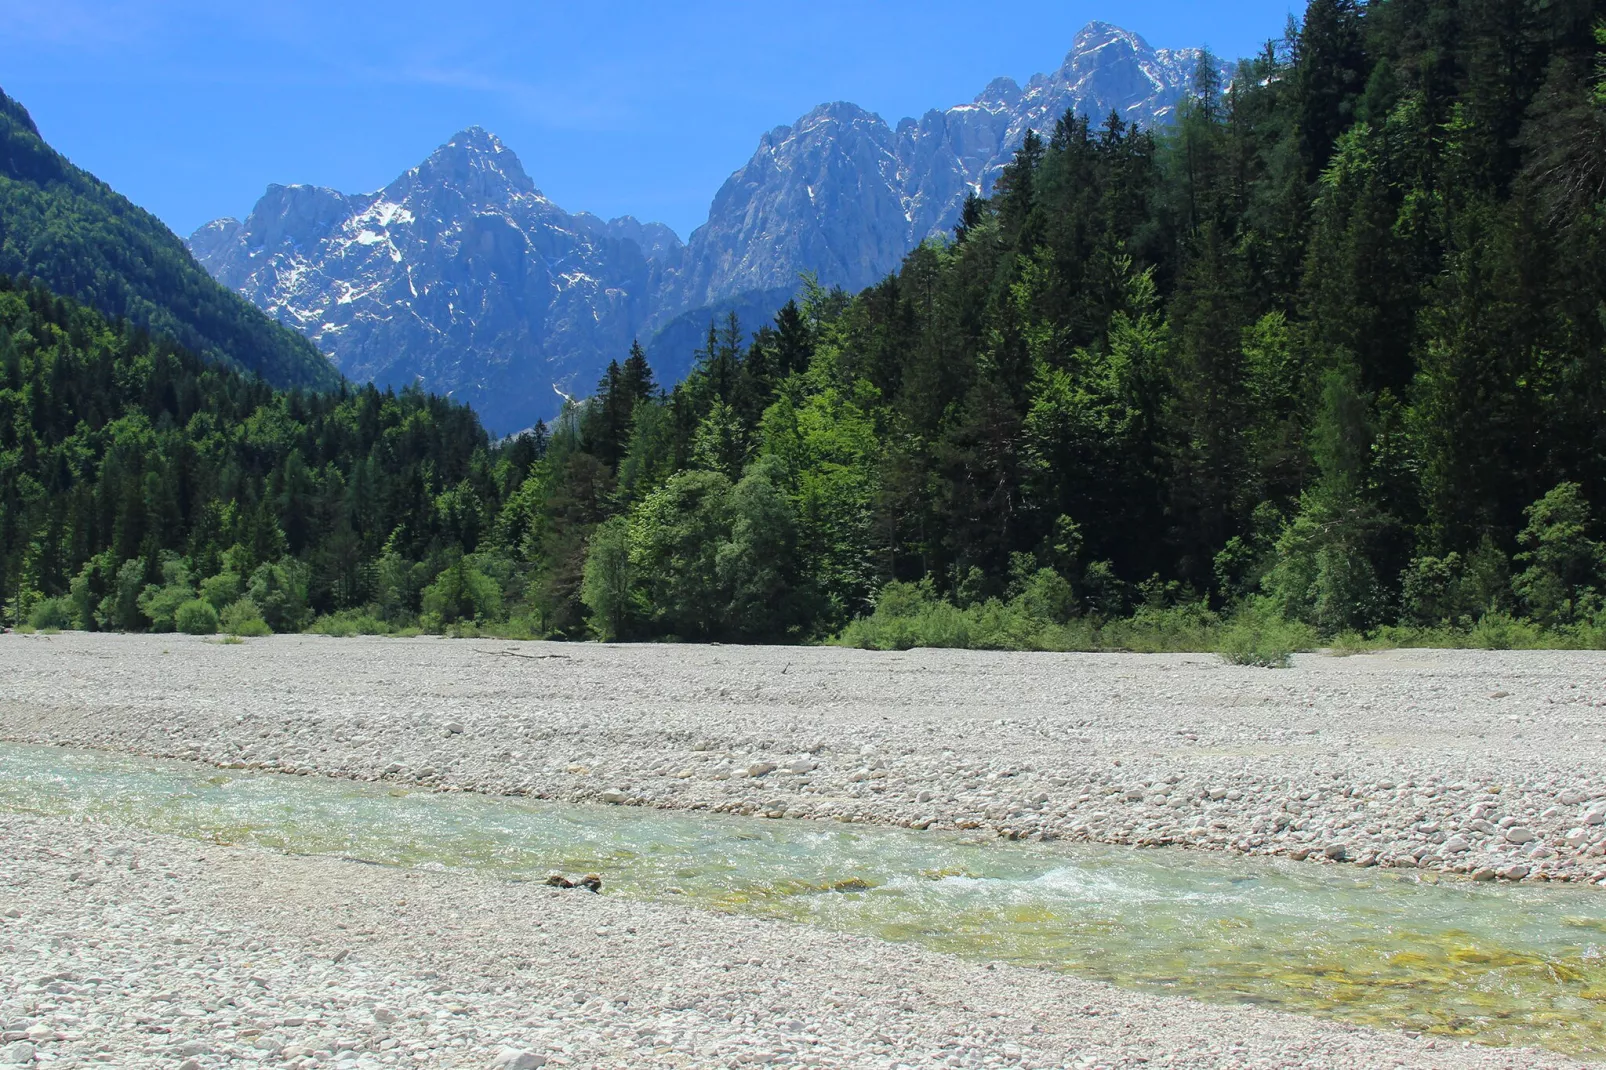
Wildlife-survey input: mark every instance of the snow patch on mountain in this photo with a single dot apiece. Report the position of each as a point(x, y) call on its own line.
point(462, 275)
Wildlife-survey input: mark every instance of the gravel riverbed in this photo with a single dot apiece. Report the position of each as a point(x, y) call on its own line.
point(1485, 763)
point(133, 950)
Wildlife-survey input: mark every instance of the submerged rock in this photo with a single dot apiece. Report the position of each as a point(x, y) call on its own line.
point(852, 884)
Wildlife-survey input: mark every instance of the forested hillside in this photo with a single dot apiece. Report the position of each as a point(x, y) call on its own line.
point(1320, 349)
point(70, 231)
point(1330, 354)
point(135, 478)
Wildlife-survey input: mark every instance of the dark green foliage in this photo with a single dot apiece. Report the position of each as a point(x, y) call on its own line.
point(135, 479)
point(196, 617)
point(243, 618)
point(1297, 368)
point(70, 231)
point(1564, 563)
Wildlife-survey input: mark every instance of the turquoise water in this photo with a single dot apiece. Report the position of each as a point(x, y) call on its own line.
point(1498, 964)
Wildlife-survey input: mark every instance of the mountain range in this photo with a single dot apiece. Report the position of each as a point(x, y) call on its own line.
point(462, 276)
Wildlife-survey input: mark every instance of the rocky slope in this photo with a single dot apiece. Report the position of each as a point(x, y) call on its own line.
point(843, 194)
point(462, 276)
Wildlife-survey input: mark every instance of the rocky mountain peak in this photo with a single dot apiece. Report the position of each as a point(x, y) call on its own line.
point(1000, 93)
point(656, 241)
point(1114, 70)
point(838, 111)
point(1096, 35)
point(477, 164)
point(460, 274)
point(297, 215)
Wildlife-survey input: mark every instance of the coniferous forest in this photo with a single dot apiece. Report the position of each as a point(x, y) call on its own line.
point(1326, 358)
point(68, 230)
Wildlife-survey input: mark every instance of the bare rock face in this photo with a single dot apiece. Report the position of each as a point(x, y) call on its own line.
point(459, 276)
point(844, 195)
point(825, 195)
point(462, 277)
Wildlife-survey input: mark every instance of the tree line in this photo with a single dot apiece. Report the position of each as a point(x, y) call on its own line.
point(1328, 353)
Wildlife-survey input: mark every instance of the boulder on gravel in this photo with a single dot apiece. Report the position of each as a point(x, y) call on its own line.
point(517, 1059)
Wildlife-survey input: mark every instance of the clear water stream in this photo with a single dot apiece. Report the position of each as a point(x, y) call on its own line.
point(1497, 964)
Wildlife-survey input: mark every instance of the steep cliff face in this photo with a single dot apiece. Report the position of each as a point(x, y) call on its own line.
point(825, 195)
point(846, 196)
point(462, 276)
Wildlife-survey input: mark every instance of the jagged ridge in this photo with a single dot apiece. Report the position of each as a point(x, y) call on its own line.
point(462, 275)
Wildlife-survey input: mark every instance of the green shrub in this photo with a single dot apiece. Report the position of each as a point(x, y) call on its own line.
point(1048, 597)
point(462, 593)
point(1430, 590)
point(223, 590)
point(51, 614)
point(161, 605)
point(1261, 638)
point(909, 615)
point(521, 628)
point(243, 618)
point(279, 591)
point(1191, 627)
point(1564, 564)
point(119, 611)
point(349, 622)
point(606, 588)
point(1498, 631)
point(160, 602)
point(1348, 644)
point(196, 617)
point(88, 589)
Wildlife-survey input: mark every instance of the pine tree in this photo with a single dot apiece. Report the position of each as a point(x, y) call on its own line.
point(1332, 73)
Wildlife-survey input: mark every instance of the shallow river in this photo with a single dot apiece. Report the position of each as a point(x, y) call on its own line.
point(1498, 964)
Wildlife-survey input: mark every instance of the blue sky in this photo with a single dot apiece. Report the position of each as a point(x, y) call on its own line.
point(191, 107)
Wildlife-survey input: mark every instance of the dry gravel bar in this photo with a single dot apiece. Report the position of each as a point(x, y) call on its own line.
point(1490, 763)
point(132, 950)
point(135, 950)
